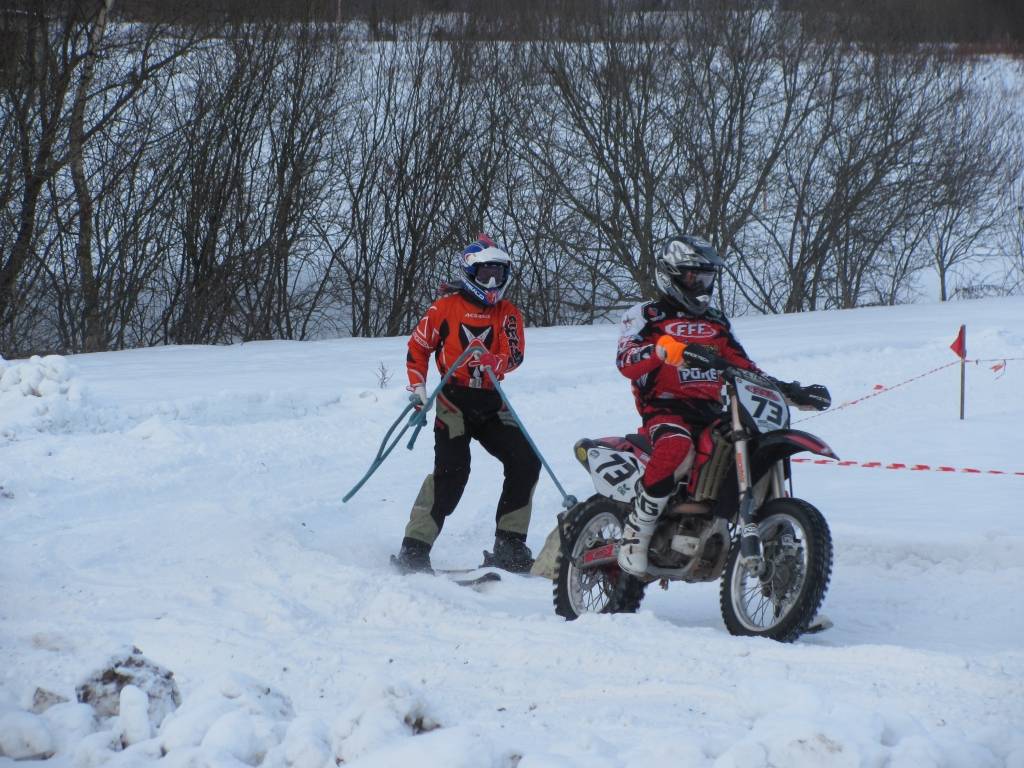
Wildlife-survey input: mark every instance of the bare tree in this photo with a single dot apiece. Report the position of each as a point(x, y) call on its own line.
point(223, 108)
point(1012, 241)
point(750, 83)
point(601, 139)
point(75, 79)
point(976, 151)
point(279, 294)
point(93, 336)
point(252, 178)
point(407, 149)
point(121, 67)
point(50, 37)
point(856, 183)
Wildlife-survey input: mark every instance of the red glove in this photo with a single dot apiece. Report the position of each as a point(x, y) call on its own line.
point(496, 363)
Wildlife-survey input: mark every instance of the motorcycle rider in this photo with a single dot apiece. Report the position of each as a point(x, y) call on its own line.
point(472, 315)
point(675, 400)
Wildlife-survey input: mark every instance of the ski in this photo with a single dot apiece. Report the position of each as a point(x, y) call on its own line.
point(488, 562)
point(462, 571)
point(460, 576)
point(477, 581)
point(491, 562)
point(455, 572)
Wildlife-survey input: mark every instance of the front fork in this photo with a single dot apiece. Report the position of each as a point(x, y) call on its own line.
point(751, 549)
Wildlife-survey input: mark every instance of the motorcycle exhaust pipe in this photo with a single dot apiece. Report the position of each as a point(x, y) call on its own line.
point(688, 508)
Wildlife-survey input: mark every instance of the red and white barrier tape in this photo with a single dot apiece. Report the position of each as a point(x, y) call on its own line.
point(881, 389)
point(910, 467)
point(1000, 364)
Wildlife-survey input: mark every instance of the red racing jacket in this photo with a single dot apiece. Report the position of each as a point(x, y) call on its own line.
point(658, 386)
point(453, 323)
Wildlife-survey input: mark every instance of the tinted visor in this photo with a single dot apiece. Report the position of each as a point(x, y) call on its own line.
point(694, 280)
point(484, 274)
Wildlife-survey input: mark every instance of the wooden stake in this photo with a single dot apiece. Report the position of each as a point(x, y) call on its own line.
point(963, 378)
point(963, 372)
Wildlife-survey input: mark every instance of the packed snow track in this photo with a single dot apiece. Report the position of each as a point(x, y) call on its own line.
point(187, 501)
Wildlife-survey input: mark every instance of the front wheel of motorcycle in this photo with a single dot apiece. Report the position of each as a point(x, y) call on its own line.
point(602, 589)
point(783, 600)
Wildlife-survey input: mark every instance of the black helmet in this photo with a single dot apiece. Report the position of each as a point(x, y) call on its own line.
point(685, 272)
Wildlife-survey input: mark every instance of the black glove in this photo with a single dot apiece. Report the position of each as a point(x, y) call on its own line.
point(704, 356)
point(815, 396)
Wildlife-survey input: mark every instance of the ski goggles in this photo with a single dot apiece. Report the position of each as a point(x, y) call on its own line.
point(489, 275)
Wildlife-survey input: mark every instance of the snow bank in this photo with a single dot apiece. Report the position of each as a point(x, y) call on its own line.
point(227, 722)
point(738, 703)
point(46, 394)
point(36, 393)
point(244, 720)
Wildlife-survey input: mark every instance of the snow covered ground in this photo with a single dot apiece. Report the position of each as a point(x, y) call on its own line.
point(187, 501)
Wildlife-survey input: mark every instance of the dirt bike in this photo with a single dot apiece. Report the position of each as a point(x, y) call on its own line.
point(732, 517)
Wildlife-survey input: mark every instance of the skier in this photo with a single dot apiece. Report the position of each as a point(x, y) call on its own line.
point(472, 315)
point(676, 401)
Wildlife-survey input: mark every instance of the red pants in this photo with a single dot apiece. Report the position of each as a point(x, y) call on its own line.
point(672, 440)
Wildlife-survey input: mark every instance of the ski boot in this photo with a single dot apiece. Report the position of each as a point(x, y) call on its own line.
point(414, 557)
point(510, 553)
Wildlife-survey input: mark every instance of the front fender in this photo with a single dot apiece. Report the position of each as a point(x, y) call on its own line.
point(782, 443)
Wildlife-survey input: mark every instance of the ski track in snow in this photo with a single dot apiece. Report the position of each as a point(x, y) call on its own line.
point(186, 500)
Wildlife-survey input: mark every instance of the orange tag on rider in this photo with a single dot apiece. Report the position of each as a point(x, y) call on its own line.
point(671, 350)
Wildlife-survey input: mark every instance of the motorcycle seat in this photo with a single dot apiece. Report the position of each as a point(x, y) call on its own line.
point(640, 441)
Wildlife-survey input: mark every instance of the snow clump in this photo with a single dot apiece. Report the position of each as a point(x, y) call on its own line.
point(36, 393)
point(25, 736)
point(234, 715)
point(377, 718)
point(37, 377)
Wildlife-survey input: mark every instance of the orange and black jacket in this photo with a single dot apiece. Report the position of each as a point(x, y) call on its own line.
point(453, 323)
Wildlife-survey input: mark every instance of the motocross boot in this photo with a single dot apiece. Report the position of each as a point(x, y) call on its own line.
point(637, 532)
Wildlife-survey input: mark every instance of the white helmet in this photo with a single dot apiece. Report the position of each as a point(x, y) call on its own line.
point(485, 270)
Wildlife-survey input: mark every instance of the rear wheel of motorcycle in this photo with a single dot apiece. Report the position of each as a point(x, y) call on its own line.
point(798, 555)
point(593, 590)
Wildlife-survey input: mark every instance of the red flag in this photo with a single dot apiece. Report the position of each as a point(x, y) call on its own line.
point(959, 345)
